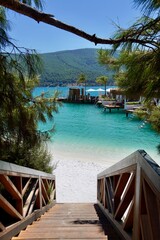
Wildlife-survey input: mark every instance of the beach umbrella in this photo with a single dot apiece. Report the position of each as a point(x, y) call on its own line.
point(108, 90)
point(100, 90)
point(90, 90)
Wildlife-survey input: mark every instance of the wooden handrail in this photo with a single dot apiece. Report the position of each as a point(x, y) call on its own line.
point(129, 195)
point(25, 194)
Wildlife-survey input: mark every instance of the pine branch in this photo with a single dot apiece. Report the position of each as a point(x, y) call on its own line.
point(38, 16)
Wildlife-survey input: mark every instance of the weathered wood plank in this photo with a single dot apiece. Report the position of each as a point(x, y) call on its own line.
point(67, 221)
point(22, 238)
point(10, 187)
point(122, 183)
point(152, 210)
point(128, 222)
point(63, 235)
point(44, 192)
point(16, 182)
point(126, 199)
point(146, 203)
point(29, 199)
point(33, 202)
point(19, 203)
point(102, 190)
point(66, 229)
point(26, 186)
point(14, 229)
point(16, 170)
point(9, 208)
point(137, 205)
point(115, 181)
point(110, 195)
point(117, 225)
point(146, 231)
point(2, 227)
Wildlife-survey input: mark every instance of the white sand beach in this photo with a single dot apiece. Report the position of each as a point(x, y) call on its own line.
point(76, 181)
point(76, 173)
point(76, 176)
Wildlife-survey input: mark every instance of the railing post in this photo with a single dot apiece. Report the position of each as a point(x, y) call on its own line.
point(19, 205)
point(137, 203)
point(40, 192)
point(104, 192)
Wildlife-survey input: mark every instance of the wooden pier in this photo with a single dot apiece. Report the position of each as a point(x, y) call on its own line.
point(110, 107)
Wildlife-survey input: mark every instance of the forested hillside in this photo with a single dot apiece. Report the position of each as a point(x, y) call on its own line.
point(64, 67)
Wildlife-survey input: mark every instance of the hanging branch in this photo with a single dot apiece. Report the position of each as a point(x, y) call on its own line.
point(38, 16)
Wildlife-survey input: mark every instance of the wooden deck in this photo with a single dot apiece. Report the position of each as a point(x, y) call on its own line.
point(70, 221)
point(110, 107)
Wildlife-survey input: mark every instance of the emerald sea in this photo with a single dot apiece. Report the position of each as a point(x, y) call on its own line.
point(86, 132)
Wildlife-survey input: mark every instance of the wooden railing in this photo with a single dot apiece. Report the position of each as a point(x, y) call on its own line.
point(25, 194)
point(129, 195)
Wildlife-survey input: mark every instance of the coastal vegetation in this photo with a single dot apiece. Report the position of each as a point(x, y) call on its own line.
point(20, 140)
point(137, 66)
point(82, 80)
point(103, 80)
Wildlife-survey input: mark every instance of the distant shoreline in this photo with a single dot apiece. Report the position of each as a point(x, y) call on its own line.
point(67, 85)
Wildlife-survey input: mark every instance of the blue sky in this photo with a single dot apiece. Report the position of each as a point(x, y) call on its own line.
point(91, 16)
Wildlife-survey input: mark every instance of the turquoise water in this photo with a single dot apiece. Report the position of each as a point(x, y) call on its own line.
point(86, 132)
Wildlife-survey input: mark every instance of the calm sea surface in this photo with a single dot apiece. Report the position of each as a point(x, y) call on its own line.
point(85, 132)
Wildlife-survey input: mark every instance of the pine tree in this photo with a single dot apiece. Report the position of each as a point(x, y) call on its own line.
point(20, 141)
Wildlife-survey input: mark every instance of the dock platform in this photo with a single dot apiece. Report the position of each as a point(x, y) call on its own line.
point(110, 107)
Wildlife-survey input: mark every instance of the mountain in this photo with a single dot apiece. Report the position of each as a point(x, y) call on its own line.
point(64, 67)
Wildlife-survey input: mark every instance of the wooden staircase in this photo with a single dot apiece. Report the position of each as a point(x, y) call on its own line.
point(70, 221)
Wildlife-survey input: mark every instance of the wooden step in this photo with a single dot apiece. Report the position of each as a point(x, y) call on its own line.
point(63, 229)
point(99, 238)
point(67, 234)
point(62, 223)
point(66, 221)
